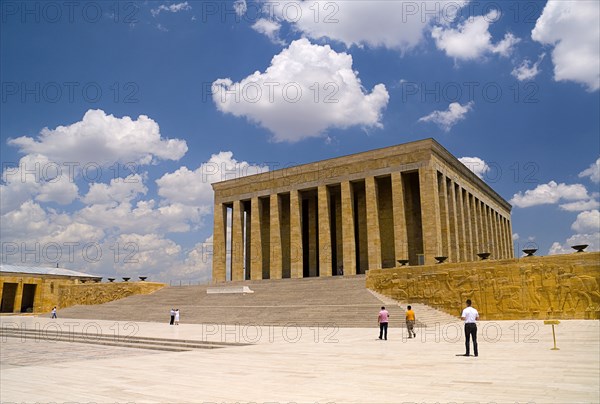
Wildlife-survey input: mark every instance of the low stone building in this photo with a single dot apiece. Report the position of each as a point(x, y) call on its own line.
point(25, 289)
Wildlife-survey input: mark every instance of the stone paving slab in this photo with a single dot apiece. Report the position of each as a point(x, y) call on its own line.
point(313, 365)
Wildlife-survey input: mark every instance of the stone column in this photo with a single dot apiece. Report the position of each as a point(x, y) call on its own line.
point(493, 244)
point(430, 214)
point(348, 240)
point(464, 226)
point(468, 239)
point(324, 221)
point(313, 241)
point(457, 223)
point(478, 226)
point(497, 235)
point(486, 228)
point(400, 236)
point(510, 233)
point(508, 238)
point(453, 229)
point(475, 225)
point(237, 242)
point(490, 231)
point(276, 261)
point(256, 261)
point(219, 243)
point(296, 234)
point(444, 218)
point(373, 234)
point(18, 297)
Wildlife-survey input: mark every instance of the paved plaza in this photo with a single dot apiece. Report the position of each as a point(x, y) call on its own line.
point(301, 365)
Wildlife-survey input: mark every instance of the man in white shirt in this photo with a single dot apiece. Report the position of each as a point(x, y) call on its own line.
point(470, 317)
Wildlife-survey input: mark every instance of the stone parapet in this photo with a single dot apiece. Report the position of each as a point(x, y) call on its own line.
point(557, 286)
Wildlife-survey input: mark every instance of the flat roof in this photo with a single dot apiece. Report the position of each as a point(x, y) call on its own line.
point(44, 271)
point(426, 144)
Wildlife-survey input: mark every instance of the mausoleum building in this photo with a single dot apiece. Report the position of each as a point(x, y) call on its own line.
point(346, 215)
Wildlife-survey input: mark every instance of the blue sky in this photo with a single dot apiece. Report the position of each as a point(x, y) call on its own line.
point(117, 116)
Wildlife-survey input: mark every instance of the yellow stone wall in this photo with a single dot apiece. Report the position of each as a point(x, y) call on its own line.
point(47, 290)
point(64, 292)
point(557, 286)
point(98, 293)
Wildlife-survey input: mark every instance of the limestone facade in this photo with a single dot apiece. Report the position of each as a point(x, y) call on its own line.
point(557, 286)
point(33, 293)
point(365, 211)
point(39, 293)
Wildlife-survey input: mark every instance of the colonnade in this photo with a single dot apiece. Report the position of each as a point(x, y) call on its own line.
point(351, 226)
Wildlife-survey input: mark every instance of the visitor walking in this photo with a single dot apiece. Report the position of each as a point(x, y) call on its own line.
point(383, 323)
point(410, 322)
point(53, 312)
point(177, 317)
point(470, 317)
point(172, 317)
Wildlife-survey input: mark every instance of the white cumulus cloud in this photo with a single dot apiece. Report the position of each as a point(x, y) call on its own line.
point(193, 187)
point(475, 164)
point(587, 222)
point(592, 240)
point(472, 39)
point(572, 28)
point(548, 194)
point(578, 206)
point(447, 119)
point(398, 25)
point(593, 171)
point(240, 7)
point(269, 28)
point(306, 90)
point(526, 70)
point(171, 8)
point(103, 139)
point(39, 178)
point(119, 189)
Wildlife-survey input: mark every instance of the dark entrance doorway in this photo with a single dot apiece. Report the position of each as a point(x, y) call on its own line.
point(28, 298)
point(9, 292)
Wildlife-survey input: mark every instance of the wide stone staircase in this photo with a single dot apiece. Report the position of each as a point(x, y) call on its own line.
point(334, 301)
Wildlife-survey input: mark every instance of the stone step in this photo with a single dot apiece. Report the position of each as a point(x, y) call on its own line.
point(161, 344)
point(340, 301)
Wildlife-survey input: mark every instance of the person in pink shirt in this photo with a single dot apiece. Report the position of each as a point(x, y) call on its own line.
point(383, 323)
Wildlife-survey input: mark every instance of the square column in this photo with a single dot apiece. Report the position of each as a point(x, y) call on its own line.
point(18, 297)
point(219, 243)
point(469, 239)
point(497, 234)
point(256, 261)
point(237, 242)
point(444, 218)
point(430, 214)
point(454, 225)
point(324, 223)
point(400, 236)
point(348, 239)
point(508, 237)
point(373, 234)
point(276, 262)
point(296, 234)
point(490, 230)
point(510, 233)
point(479, 227)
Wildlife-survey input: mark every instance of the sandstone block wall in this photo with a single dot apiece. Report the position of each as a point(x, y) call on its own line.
point(557, 286)
point(98, 293)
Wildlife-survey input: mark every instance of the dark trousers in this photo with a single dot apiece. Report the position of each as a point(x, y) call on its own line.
point(471, 332)
point(172, 320)
point(383, 330)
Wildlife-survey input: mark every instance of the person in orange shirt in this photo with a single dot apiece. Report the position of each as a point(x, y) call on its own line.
point(410, 322)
